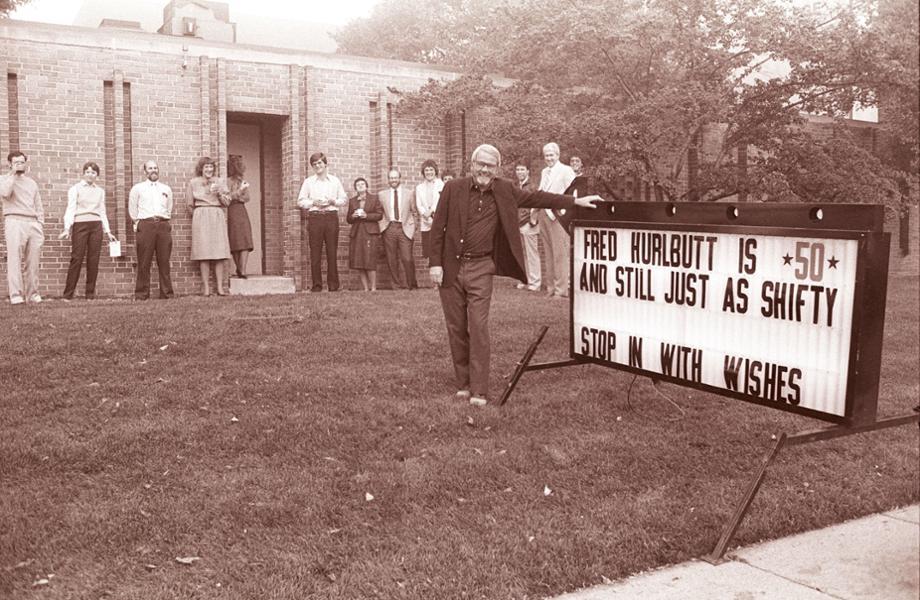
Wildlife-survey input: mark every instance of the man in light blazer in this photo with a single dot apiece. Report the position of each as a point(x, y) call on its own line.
point(398, 229)
point(556, 178)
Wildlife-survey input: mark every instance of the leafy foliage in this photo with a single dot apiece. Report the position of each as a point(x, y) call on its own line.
point(8, 6)
point(636, 86)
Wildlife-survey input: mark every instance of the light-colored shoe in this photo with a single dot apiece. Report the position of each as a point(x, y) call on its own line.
point(35, 298)
point(533, 288)
point(478, 401)
point(16, 300)
point(520, 286)
point(463, 395)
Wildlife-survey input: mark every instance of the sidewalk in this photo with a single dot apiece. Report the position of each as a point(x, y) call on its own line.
point(876, 557)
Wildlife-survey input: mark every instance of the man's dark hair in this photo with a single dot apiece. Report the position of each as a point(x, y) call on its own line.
point(90, 165)
point(318, 156)
point(355, 184)
point(14, 154)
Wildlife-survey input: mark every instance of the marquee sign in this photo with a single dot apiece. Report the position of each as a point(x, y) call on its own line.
point(779, 305)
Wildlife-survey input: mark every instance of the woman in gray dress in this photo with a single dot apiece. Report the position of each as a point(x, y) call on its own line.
point(208, 196)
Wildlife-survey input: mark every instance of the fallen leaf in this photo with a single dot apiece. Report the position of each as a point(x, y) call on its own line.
point(144, 513)
point(93, 384)
point(164, 347)
point(150, 567)
point(477, 451)
point(234, 420)
point(187, 560)
point(368, 496)
point(40, 582)
point(470, 422)
point(334, 531)
point(530, 538)
point(547, 491)
point(507, 489)
point(619, 419)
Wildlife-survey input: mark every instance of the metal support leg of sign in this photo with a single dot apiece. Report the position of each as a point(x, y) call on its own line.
point(804, 437)
point(524, 365)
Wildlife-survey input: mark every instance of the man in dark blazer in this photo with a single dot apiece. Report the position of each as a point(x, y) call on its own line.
point(474, 237)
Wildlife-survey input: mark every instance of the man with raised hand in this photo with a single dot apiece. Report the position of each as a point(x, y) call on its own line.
point(23, 227)
point(475, 237)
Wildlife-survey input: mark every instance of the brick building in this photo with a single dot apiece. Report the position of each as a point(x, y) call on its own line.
point(120, 96)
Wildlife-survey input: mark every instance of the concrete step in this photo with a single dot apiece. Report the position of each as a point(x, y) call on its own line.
point(257, 285)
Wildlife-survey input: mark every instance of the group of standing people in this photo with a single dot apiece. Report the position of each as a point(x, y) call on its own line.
point(548, 224)
point(220, 227)
point(389, 218)
point(220, 224)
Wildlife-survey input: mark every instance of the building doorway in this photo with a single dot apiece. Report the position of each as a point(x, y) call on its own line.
point(257, 139)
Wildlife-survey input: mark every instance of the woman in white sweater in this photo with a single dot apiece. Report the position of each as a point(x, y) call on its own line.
point(427, 194)
point(84, 223)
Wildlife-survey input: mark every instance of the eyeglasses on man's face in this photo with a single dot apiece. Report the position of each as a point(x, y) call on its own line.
point(484, 165)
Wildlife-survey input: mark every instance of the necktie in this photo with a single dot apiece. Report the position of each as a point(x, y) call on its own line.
point(395, 204)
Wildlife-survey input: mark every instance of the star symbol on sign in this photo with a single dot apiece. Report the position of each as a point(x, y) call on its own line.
point(832, 262)
point(787, 260)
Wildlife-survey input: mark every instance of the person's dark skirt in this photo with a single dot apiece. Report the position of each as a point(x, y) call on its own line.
point(362, 250)
point(239, 229)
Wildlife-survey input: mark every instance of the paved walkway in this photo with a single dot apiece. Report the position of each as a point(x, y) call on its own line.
point(876, 557)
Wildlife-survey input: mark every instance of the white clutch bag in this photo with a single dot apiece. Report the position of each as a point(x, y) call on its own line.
point(115, 248)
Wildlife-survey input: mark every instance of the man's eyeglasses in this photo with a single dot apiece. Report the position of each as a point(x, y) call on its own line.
point(482, 165)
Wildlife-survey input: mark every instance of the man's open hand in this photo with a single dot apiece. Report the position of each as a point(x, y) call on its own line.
point(588, 201)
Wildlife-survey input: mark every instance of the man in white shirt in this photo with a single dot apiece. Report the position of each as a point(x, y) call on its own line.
point(321, 195)
point(150, 205)
point(530, 231)
point(556, 178)
point(398, 229)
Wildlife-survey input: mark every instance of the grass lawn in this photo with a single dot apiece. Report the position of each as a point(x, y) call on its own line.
point(251, 433)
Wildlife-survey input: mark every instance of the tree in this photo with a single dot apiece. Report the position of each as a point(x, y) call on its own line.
point(637, 87)
point(8, 6)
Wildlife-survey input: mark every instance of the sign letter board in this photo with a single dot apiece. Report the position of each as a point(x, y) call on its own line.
point(777, 304)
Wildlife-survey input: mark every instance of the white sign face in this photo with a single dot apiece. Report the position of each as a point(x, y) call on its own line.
point(765, 316)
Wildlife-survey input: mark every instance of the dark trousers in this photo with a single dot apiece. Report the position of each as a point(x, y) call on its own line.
point(466, 303)
point(323, 228)
point(85, 242)
point(399, 251)
point(153, 237)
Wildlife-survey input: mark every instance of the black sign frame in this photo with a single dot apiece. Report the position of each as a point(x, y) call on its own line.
point(863, 223)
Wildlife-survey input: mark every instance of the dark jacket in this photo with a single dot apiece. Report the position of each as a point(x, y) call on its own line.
point(371, 223)
point(452, 214)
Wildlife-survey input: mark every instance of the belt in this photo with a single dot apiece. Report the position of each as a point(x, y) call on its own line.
point(322, 213)
point(155, 219)
point(474, 255)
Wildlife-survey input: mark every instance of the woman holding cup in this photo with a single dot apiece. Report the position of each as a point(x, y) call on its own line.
point(208, 196)
point(364, 214)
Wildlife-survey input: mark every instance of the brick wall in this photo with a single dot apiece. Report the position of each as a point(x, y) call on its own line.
point(123, 97)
